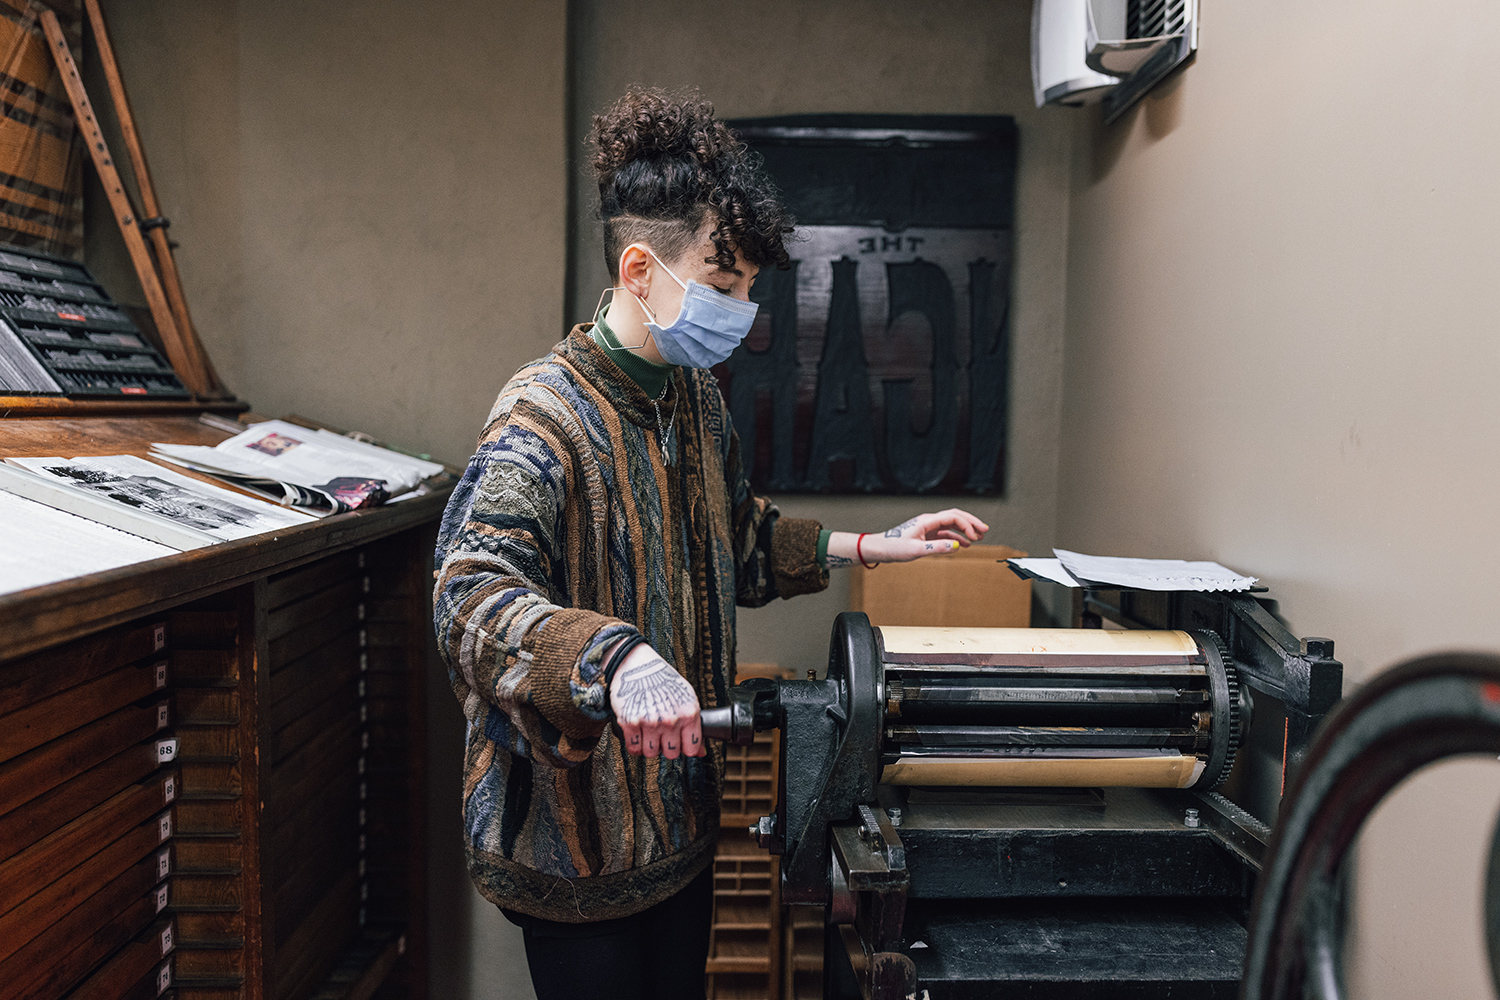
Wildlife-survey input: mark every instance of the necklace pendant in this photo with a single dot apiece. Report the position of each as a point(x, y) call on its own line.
point(664, 430)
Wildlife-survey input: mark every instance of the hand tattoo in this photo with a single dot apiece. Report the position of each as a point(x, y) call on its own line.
point(651, 691)
point(900, 529)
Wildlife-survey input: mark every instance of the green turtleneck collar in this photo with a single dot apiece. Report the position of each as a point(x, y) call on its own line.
point(650, 376)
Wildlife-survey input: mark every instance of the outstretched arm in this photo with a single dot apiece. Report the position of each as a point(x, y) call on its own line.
point(923, 535)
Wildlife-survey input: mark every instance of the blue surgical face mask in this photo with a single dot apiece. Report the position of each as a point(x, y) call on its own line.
point(708, 327)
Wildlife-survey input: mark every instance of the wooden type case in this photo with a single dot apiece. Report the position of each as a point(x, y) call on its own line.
point(210, 764)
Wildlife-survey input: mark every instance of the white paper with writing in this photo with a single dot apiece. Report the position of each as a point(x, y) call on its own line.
point(1153, 574)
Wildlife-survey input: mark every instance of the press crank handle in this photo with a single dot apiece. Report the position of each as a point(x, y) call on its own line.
point(731, 723)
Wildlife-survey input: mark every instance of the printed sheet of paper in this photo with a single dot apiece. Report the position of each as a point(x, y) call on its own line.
point(313, 502)
point(1153, 574)
point(290, 454)
point(147, 486)
point(40, 544)
point(1042, 568)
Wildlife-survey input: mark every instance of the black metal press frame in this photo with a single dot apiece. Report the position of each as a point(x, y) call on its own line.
point(1052, 893)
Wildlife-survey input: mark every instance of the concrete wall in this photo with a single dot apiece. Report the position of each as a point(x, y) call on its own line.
point(872, 56)
point(1281, 354)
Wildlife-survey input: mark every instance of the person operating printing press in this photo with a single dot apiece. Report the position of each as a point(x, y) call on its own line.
point(591, 560)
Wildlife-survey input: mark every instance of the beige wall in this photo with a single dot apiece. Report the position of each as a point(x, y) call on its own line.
point(371, 204)
point(1282, 354)
point(370, 199)
point(872, 56)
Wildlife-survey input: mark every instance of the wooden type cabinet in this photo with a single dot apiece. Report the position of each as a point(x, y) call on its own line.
point(754, 939)
point(759, 948)
point(211, 767)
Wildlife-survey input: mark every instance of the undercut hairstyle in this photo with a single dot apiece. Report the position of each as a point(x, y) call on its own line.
point(667, 167)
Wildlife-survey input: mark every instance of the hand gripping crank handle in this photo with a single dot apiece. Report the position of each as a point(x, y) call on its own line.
point(731, 723)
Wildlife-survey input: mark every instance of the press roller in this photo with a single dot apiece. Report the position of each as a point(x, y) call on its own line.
point(983, 707)
point(1023, 707)
point(1056, 707)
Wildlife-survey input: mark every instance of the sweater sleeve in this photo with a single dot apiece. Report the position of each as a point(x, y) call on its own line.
point(775, 556)
point(527, 669)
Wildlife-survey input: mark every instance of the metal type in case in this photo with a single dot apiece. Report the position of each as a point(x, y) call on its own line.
point(55, 317)
point(972, 818)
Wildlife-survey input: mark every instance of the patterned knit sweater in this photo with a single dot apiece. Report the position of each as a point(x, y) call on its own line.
point(569, 531)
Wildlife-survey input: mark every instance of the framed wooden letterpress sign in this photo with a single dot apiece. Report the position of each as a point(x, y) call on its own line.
point(880, 362)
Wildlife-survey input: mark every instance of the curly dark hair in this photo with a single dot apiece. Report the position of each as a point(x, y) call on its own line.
point(666, 167)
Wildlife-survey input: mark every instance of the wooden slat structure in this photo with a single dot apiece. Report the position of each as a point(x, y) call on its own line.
point(745, 948)
point(210, 764)
point(185, 355)
point(151, 217)
point(41, 157)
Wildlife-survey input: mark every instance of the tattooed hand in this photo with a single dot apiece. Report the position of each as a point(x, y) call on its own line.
point(655, 707)
point(923, 535)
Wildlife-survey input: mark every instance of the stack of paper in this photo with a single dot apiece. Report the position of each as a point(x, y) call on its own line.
point(315, 469)
point(141, 497)
point(41, 544)
point(1074, 569)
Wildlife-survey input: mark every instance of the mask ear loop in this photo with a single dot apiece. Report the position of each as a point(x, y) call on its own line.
point(645, 308)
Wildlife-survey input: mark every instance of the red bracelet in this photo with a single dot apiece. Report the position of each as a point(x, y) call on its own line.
point(861, 556)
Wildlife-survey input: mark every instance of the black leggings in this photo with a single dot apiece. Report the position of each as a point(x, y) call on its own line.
point(657, 954)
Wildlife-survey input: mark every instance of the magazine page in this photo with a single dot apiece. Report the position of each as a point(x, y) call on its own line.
point(41, 544)
point(313, 503)
point(356, 474)
point(145, 485)
point(424, 467)
point(311, 500)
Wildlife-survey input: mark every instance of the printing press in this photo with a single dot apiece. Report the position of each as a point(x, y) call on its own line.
point(1038, 813)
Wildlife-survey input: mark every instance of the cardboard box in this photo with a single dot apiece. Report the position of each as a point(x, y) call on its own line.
point(971, 588)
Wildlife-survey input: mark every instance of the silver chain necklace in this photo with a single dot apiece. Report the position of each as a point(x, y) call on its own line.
point(664, 433)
